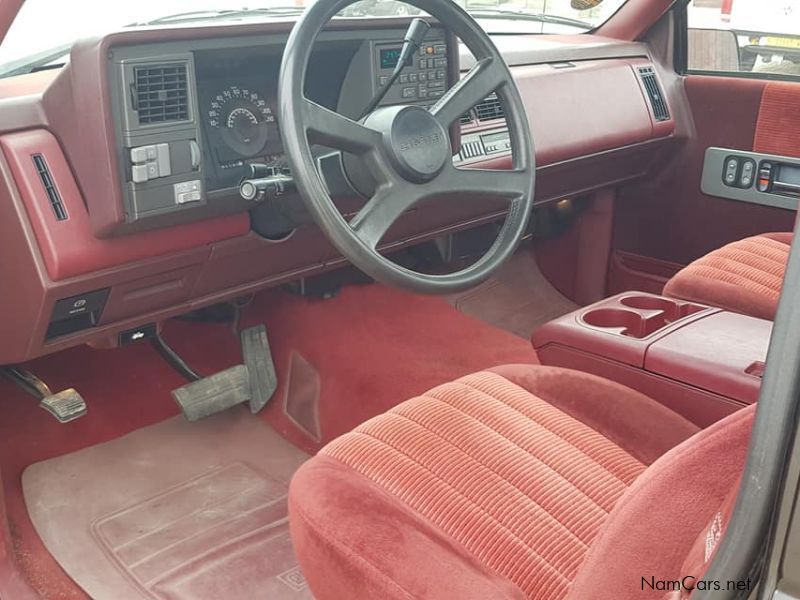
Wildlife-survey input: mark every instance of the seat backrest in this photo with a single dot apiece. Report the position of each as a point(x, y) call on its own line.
point(668, 524)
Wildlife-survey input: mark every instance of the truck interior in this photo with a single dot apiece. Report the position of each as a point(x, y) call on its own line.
point(442, 299)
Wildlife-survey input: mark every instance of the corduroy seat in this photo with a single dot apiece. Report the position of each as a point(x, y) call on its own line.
point(519, 482)
point(744, 277)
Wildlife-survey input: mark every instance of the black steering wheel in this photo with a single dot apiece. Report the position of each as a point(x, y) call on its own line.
point(407, 151)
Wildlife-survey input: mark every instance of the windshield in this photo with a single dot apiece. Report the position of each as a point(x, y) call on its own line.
point(44, 30)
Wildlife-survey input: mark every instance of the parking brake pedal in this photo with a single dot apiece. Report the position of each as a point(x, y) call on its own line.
point(65, 406)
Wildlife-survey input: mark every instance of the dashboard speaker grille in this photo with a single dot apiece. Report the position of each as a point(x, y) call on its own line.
point(657, 101)
point(161, 93)
point(50, 187)
point(490, 109)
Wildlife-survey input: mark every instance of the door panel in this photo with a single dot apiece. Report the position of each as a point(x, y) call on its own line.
point(669, 218)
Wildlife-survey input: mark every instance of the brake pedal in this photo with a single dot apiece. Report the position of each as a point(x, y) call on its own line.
point(214, 394)
point(260, 368)
point(65, 406)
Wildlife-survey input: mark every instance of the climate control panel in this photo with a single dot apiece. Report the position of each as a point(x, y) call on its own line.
point(483, 145)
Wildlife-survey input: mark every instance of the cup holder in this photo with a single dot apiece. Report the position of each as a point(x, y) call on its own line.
point(630, 323)
point(672, 311)
point(638, 316)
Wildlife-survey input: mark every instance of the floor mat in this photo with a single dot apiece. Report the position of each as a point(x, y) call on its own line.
point(370, 348)
point(518, 298)
point(173, 511)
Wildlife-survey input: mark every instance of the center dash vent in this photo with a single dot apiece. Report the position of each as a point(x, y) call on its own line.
point(161, 93)
point(490, 109)
point(50, 187)
point(657, 101)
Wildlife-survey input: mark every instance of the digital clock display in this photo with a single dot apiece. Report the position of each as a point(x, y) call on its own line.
point(389, 58)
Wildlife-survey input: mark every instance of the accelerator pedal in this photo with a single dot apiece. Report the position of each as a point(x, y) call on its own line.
point(260, 368)
point(214, 394)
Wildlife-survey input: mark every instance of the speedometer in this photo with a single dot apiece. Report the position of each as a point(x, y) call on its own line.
point(243, 119)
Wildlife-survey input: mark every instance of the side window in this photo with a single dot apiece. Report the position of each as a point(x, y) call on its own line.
point(757, 38)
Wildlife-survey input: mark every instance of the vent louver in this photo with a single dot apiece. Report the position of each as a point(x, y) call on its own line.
point(657, 101)
point(50, 187)
point(161, 93)
point(466, 119)
point(490, 109)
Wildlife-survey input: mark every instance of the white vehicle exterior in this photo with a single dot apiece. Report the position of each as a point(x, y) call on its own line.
point(773, 17)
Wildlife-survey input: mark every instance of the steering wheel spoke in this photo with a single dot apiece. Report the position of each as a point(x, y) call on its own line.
point(494, 183)
point(483, 79)
point(329, 128)
point(383, 210)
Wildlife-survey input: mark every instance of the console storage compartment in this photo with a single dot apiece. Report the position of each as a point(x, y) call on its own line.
point(701, 361)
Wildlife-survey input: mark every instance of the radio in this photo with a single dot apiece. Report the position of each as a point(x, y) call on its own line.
point(423, 81)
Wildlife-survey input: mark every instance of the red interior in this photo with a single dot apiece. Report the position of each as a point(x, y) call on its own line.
point(699, 360)
point(402, 337)
point(514, 470)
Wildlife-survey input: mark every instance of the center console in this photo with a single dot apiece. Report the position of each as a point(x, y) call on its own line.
point(702, 362)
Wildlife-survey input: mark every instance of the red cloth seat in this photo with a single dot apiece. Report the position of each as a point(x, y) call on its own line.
point(744, 277)
point(518, 482)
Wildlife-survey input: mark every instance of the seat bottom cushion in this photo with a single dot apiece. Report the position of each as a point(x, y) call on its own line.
point(745, 276)
point(496, 484)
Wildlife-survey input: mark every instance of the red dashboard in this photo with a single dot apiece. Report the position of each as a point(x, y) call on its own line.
point(584, 141)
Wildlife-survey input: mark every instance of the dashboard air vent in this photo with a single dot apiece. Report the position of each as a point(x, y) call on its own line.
point(466, 119)
point(161, 93)
point(490, 109)
point(50, 187)
point(657, 101)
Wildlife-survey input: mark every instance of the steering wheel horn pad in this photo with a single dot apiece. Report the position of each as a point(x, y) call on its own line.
point(407, 151)
point(417, 144)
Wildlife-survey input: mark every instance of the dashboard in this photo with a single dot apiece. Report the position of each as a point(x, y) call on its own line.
point(119, 173)
point(192, 119)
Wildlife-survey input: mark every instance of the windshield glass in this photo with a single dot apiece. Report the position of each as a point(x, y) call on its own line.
point(45, 29)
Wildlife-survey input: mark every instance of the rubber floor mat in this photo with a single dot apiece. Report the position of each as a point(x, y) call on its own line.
point(174, 511)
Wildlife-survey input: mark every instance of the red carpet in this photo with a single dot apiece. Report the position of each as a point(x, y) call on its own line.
point(372, 346)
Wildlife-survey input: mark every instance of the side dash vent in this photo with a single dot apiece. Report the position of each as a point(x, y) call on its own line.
point(654, 93)
point(160, 93)
point(490, 109)
point(50, 187)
